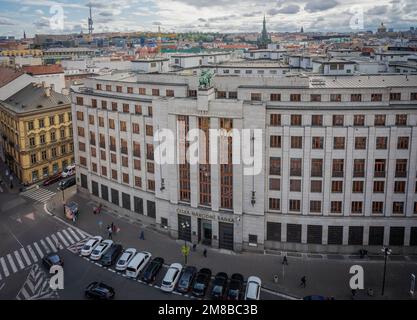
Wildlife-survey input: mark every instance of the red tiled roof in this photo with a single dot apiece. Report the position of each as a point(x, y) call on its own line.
point(40, 70)
point(8, 74)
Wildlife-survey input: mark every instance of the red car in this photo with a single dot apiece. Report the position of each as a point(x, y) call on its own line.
point(52, 179)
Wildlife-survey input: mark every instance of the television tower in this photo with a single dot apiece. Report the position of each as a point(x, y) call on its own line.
point(90, 22)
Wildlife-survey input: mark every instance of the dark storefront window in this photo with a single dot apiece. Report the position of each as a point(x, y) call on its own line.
point(413, 236)
point(294, 233)
point(355, 236)
point(396, 236)
point(335, 235)
point(138, 203)
point(314, 234)
point(273, 231)
point(151, 209)
point(126, 201)
point(225, 236)
point(376, 236)
point(115, 196)
point(94, 188)
point(84, 183)
point(104, 192)
point(184, 227)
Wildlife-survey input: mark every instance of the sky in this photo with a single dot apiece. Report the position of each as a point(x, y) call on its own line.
point(65, 16)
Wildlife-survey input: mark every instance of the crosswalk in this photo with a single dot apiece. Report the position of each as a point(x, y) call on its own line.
point(33, 253)
point(38, 194)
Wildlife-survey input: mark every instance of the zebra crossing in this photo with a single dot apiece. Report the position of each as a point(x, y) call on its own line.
point(36, 286)
point(38, 194)
point(33, 253)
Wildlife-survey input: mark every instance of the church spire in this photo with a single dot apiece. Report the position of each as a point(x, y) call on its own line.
point(264, 39)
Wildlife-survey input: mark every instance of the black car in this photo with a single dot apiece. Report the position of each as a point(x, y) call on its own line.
point(235, 290)
point(201, 282)
point(219, 286)
point(52, 260)
point(110, 256)
point(186, 279)
point(152, 269)
point(98, 290)
point(67, 183)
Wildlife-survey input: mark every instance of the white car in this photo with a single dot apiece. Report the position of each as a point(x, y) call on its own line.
point(90, 245)
point(171, 277)
point(101, 249)
point(68, 171)
point(125, 258)
point(253, 288)
point(137, 264)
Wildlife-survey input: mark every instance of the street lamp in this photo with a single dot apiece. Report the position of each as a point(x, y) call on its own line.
point(387, 252)
point(184, 226)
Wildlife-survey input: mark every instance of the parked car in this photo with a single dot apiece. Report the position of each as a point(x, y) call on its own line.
point(152, 269)
point(235, 291)
point(137, 264)
point(90, 245)
point(171, 277)
point(110, 256)
point(99, 290)
point(125, 258)
point(186, 279)
point(68, 171)
point(201, 282)
point(101, 249)
point(52, 260)
point(253, 288)
point(52, 179)
point(219, 286)
point(65, 184)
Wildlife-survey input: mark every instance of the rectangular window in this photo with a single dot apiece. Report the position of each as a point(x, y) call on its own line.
point(336, 207)
point(275, 120)
point(155, 92)
point(135, 128)
point(149, 130)
point(357, 186)
point(381, 143)
point(274, 204)
point(398, 207)
point(151, 185)
point(93, 103)
point(399, 186)
point(335, 97)
point(108, 87)
point(80, 101)
point(317, 120)
point(338, 120)
point(129, 90)
point(359, 120)
point(275, 166)
point(150, 113)
point(295, 185)
point(221, 94)
point(357, 207)
point(379, 168)
point(138, 182)
point(295, 97)
point(296, 120)
point(142, 91)
point(125, 178)
point(137, 164)
point(401, 168)
point(104, 171)
point(380, 119)
point(98, 86)
point(138, 109)
point(395, 96)
point(275, 97)
point(80, 115)
point(358, 168)
point(114, 106)
point(274, 184)
point(315, 97)
point(316, 186)
point(316, 167)
point(103, 104)
point(337, 186)
point(111, 124)
point(169, 93)
point(275, 141)
point(317, 143)
point(376, 97)
point(357, 97)
point(401, 120)
point(295, 167)
point(377, 207)
point(192, 93)
point(255, 96)
point(338, 168)
point(123, 126)
point(119, 89)
point(339, 143)
point(296, 142)
point(125, 107)
point(360, 143)
point(379, 186)
point(315, 206)
point(295, 205)
point(402, 143)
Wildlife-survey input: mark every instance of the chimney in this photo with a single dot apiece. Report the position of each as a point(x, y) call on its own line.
point(48, 91)
point(43, 84)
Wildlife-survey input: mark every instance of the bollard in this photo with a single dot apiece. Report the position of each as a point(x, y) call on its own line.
point(275, 278)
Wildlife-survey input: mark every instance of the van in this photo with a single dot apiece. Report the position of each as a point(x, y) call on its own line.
point(68, 171)
point(136, 265)
point(111, 255)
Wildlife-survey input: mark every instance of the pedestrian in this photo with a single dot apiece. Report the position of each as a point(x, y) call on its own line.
point(205, 253)
point(285, 261)
point(113, 227)
point(303, 282)
point(142, 235)
point(194, 246)
point(110, 231)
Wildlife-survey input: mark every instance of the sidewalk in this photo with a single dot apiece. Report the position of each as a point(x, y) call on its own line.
point(324, 276)
point(6, 179)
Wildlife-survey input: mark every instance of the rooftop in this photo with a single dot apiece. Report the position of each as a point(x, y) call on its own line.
point(41, 70)
point(8, 75)
point(35, 97)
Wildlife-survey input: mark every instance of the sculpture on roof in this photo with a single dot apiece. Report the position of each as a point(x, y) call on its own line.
point(205, 79)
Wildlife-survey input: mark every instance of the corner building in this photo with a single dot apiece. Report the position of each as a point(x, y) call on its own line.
point(339, 158)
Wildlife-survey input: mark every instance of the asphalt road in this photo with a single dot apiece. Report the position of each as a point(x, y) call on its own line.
point(24, 225)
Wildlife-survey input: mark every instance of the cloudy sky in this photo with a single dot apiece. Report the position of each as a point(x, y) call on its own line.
point(62, 16)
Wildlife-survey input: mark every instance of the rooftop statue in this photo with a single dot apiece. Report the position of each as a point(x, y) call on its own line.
point(205, 79)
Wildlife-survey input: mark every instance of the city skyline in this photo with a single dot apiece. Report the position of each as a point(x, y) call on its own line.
point(17, 16)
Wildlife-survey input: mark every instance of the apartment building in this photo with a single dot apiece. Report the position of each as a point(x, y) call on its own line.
point(36, 131)
point(339, 158)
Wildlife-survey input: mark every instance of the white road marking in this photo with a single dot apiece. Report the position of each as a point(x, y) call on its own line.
point(82, 234)
point(54, 249)
point(56, 241)
point(40, 252)
point(32, 253)
point(11, 262)
point(71, 240)
point(19, 260)
point(74, 234)
point(25, 256)
point(25, 294)
point(4, 266)
point(45, 246)
point(62, 239)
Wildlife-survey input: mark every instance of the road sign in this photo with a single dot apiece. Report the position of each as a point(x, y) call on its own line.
point(412, 284)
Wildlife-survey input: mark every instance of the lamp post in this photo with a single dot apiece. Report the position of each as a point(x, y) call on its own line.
point(387, 252)
point(185, 225)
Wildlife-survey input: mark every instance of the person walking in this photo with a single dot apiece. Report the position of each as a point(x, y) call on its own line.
point(285, 261)
point(110, 231)
point(205, 253)
point(142, 235)
point(194, 246)
point(303, 282)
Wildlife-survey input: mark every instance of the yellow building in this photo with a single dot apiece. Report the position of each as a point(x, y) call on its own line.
point(21, 52)
point(36, 139)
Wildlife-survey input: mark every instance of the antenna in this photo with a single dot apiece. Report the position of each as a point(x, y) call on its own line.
point(90, 21)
